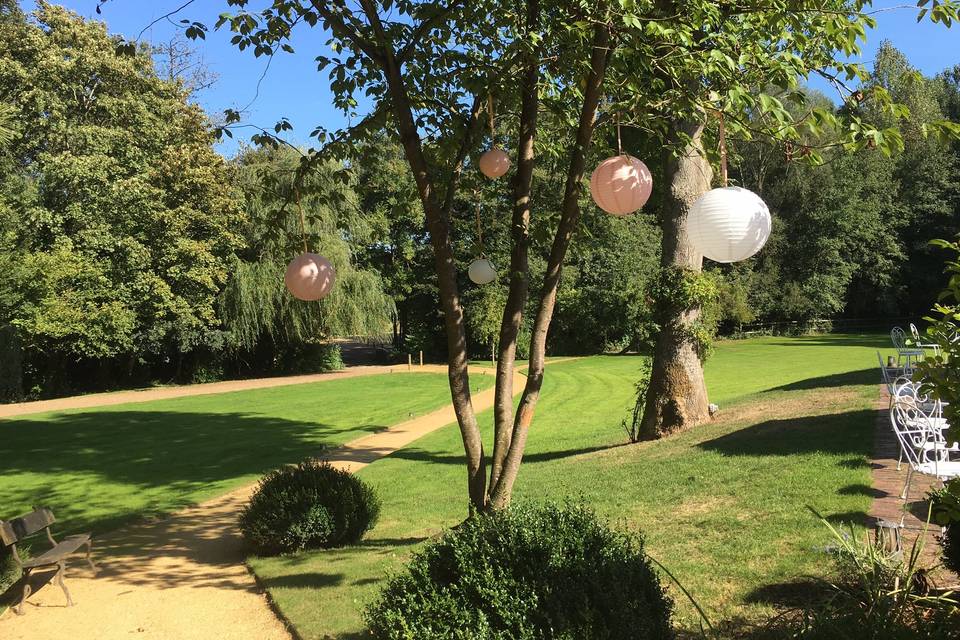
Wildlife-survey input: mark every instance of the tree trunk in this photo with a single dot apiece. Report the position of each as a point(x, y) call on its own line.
point(677, 396)
point(438, 224)
point(519, 263)
point(501, 492)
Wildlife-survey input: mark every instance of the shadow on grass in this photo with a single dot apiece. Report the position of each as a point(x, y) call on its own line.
point(836, 433)
point(849, 378)
point(157, 458)
point(797, 592)
point(860, 489)
point(871, 340)
point(310, 580)
point(422, 455)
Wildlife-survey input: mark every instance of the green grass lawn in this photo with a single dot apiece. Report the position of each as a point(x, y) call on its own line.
point(724, 506)
point(100, 467)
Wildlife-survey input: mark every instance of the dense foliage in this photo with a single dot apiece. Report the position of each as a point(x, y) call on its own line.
point(130, 250)
point(945, 511)
point(851, 237)
point(940, 371)
point(311, 505)
point(117, 220)
point(529, 572)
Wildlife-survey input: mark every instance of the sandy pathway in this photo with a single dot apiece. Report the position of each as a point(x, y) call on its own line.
point(184, 577)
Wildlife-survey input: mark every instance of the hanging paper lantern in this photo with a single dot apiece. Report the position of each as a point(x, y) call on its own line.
point(482, 271)
point(309, 276)
point(621, 185)
point(729, 224)
point(494, 163)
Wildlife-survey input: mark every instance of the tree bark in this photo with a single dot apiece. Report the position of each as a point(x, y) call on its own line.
point(519, 262)
point(501, 492)
point(438, 224)
point(677, 396)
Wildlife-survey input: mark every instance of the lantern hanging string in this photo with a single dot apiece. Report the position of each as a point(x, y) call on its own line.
point(723, 150)
point(303, 225)
point(619, 144)
point(476, 196)
point(493, 134)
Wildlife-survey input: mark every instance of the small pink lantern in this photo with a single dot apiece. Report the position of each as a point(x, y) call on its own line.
point(621, 185)
point(309, 276)
point(494, 163)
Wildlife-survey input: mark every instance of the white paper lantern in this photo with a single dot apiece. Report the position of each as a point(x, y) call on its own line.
point(621, 185)
point(494, 163)
point(729, 224)
point(309, 276)
point(482, 271)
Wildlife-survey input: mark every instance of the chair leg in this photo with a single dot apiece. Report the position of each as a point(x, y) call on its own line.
point(93, 567)
point(899, 459)
point(61, 570)
point(26, 594)
point(906, 485)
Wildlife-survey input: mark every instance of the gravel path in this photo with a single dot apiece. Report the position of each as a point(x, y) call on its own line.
point(184, 577)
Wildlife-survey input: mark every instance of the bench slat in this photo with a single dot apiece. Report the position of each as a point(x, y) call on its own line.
point(53, 556)
point(28, 524)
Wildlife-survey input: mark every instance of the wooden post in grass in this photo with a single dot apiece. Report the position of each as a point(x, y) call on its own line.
point(421, 357)
point(409, 361)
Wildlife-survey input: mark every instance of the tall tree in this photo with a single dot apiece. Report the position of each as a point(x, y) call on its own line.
point(428, 68)
point(118, 214)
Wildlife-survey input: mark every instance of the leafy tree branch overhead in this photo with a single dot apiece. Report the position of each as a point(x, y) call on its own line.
point(556, 74)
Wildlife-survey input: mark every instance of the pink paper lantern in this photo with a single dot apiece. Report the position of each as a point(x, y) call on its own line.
point(621, 185)
point(309, 276)
point(494, 163)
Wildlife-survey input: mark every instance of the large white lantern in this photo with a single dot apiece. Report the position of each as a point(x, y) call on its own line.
point(729, 224)
point(309, 276)
point(482, 271)
point(621, 185)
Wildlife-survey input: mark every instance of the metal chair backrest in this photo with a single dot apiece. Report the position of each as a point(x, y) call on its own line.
point(911, 428)
point(899, 338)
point(12, 531)
point(915, 333)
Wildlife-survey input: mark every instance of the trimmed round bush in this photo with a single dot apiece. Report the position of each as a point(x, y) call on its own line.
point(308, 506)
point(527, 572)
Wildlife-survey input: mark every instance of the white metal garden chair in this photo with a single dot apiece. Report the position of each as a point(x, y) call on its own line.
point(918, 341)
point(910, 353)
point(922, 443)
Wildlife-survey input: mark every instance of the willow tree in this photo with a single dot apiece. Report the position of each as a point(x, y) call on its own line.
point(288, 210)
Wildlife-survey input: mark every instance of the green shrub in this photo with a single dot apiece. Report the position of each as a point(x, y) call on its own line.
point(945, 511)
point(9, 569)
point(330, 357)
point(528, 572)
point(308, 506)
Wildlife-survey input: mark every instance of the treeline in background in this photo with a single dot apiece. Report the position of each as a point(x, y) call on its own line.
point(131, 252)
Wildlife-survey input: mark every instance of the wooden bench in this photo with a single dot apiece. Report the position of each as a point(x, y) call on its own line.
point(16, 530)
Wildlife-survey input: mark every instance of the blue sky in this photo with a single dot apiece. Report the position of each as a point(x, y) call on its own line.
point(292, 87)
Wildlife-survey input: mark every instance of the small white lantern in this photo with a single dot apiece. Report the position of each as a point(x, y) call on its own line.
point(729, 224)
point(482, 271)
point(494, 163)
point(621, 185)
point(309, 277)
